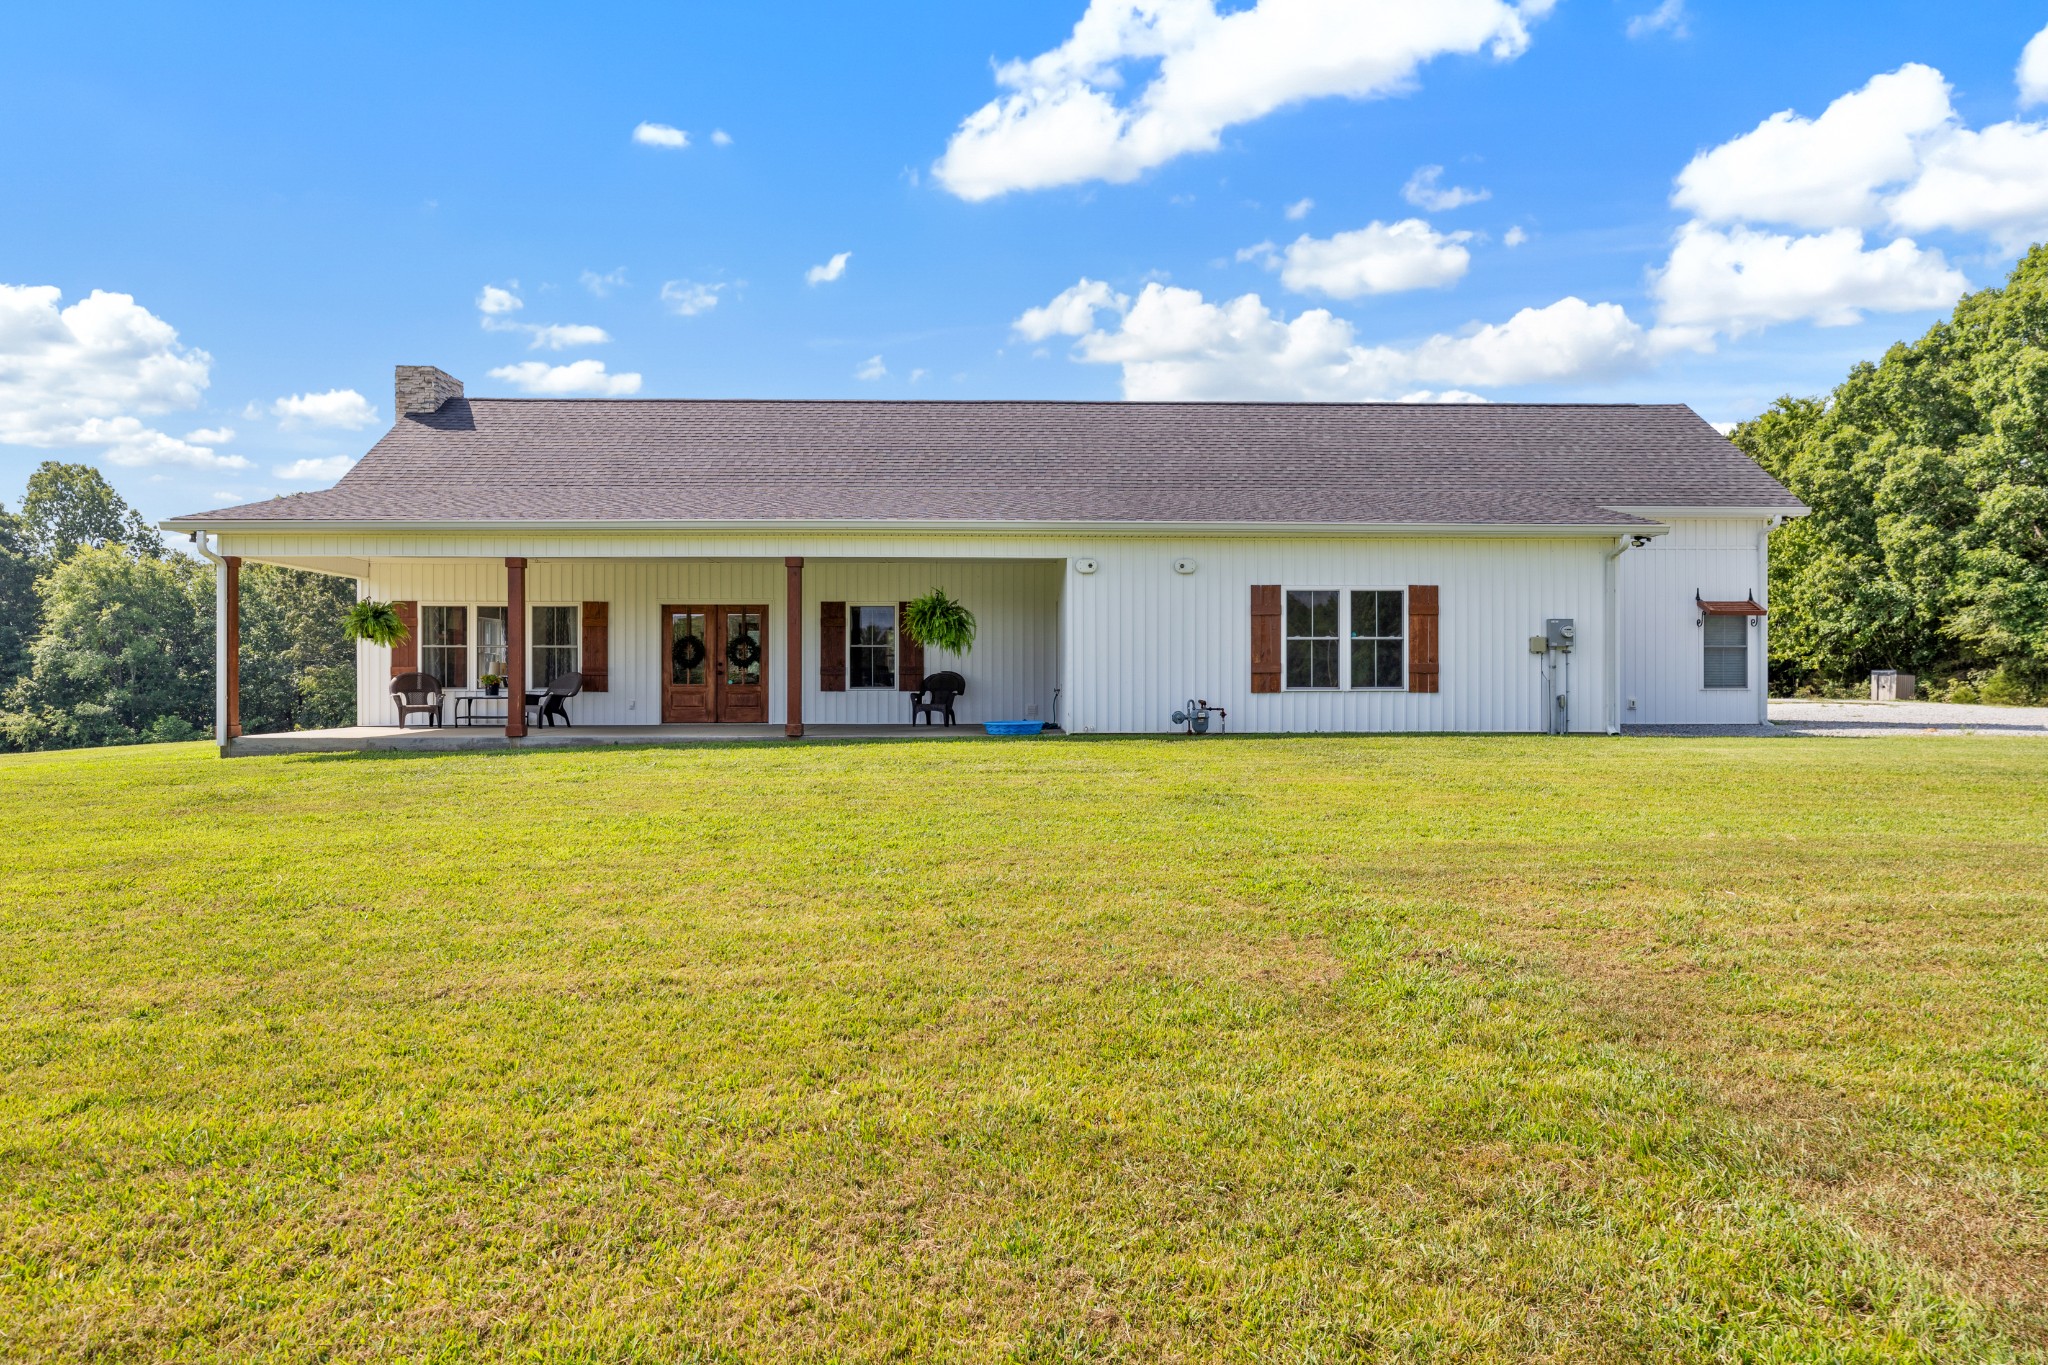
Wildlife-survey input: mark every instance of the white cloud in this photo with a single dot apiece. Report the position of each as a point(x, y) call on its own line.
point(1299, 209)
point(1059, 121)
point(496, 306)
point(1725, 428)
point(872, 368)
point(494, 302)
point(343, 408)
point(77, 377)
point(1826, 172)
point(603, 285)
point(1993, 181)
point(831, 270)
point(211, 436)
point(2033, 70)
point(918, 376)
point(720, 138)
point(660, 135)
point(1893, 154)
point(1669, 17)
point(1379, 258)
point(1171, 343)
point(561, 336)
point(127, 442)
point(1423, 191)
point(581, 377)
point(1071, 312)
point(687, 298)
point(1742, 280)
point(315, 471)
point(1514, 236)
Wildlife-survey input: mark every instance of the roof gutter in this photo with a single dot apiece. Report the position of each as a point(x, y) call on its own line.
point(1508, 530)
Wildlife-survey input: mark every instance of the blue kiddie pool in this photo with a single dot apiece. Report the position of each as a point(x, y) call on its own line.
point(1013, 727)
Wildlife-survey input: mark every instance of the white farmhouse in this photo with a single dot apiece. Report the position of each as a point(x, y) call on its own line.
point(1304, 567)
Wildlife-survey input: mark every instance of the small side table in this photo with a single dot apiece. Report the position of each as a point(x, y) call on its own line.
point(468, 713)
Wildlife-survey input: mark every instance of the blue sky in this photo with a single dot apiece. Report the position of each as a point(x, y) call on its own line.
point(294, 199)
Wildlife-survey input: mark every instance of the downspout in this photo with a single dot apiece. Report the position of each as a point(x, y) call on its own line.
point(1763, 623)
point(220, 641)
point(1621, 547)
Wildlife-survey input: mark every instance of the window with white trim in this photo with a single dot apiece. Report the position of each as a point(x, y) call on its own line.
point(444, 644)
point(490, 641)
point(871, 647)
point(556, 639)
point(1312, 636)
point(1379, 637)
point(1726, 641)
point(1345, 638)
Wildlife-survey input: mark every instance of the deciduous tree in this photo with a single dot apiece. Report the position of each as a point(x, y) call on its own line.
point(1927, 473)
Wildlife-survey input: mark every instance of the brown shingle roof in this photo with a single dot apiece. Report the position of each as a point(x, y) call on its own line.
point(598, 460)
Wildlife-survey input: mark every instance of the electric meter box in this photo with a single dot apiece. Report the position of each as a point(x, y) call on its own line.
point(1559, 631)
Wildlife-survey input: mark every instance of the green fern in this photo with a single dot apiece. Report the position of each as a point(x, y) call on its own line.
point(940, 622)
point(377, 622)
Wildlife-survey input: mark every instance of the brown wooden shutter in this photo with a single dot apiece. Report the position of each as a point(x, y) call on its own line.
point(405, 655)
point(1422, 638)
point(597, 646)
point(831, 646)
point(909, 654)
point(1265, 637)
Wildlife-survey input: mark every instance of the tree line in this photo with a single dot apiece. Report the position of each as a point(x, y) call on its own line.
point(106, 635)
point(1926, 549)
point(1927, 472)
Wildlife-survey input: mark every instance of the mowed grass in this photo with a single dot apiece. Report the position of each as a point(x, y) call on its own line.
point(1313, 1049)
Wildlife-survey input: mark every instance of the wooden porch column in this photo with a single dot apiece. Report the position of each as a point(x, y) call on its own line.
point(231, 643)
point(515, 648)
point(793, 723)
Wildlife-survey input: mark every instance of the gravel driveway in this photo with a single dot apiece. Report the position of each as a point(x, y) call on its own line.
point(1792, 719)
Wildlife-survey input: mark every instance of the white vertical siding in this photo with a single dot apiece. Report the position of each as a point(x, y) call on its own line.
point(1663, 654)
point(1127, 644)
point(1012, 670)
point(1145, 639)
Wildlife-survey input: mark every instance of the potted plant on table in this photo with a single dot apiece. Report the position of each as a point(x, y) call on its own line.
point(492, 682)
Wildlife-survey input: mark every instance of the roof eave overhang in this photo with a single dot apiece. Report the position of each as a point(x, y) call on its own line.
point(1621, 525)
point(1671, 513)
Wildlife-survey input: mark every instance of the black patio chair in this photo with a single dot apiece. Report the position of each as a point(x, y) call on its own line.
point(560, 688)
point(936, 696)
point(417, 694)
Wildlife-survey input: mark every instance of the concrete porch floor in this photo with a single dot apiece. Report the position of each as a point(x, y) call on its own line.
point(427, 739)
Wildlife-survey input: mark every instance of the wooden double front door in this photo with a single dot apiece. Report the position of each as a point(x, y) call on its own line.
point(716, 665)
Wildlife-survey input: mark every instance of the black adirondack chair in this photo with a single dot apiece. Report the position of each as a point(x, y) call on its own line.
point(549, 702)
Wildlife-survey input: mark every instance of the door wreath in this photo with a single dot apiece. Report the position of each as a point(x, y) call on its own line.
point(743, 651)
point(688, 654)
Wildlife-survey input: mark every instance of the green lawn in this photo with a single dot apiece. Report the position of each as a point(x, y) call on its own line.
point(1322, 1049)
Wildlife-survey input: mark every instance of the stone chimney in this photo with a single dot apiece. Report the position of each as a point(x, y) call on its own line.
point(424, 388)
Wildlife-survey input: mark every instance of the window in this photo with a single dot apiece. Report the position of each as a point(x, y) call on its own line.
point(1379, 619)
point(444, 644)
point(1346, 638)
point(1727, 641)
point(554, 644)
point(1312, 638)
point(490, 641)
point(871, 647)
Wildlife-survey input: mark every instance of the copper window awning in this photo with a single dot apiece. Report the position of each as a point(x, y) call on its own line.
point(1745, 607)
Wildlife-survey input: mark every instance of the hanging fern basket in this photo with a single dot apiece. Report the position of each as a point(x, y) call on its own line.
point(377, 622)
point(939, 621)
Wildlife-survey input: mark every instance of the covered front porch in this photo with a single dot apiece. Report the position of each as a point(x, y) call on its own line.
point(425, 739)
point(673, 649)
